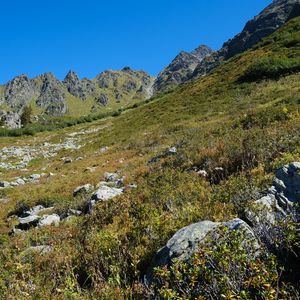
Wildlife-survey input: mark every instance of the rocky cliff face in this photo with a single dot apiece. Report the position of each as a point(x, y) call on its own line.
point(268, 21)
point(19, 91)
point(51, 96)
point(181, 68)
point(119, 86)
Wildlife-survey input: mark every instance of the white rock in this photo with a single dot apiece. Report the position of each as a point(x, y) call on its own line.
point(48, 220)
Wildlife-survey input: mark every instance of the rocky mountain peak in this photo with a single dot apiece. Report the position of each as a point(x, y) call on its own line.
point(75, 86)
point(268, 21)
point(202, 51)
point(18, 91)
point(72, 77)
point(181, 68)
point(52, 95)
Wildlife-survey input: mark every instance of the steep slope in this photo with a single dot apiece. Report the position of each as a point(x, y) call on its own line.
point(201, 152)
point(269, 20)
point(180, 69)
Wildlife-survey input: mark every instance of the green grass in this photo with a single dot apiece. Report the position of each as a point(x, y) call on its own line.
point(247, 128)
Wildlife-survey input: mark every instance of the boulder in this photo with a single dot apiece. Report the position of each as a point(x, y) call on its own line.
point(48, 220)
point(110, 177)
point(83, 189)
point(12, 120)
point(187, 241)
point(105, 193)
point(28, 222)
point(4, 184)
point(281, 198)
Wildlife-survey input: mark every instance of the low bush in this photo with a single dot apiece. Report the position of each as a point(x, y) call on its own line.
point(271, 67)
point(226, 267)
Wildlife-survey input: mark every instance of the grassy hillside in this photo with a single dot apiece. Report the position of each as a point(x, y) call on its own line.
point(248, 126)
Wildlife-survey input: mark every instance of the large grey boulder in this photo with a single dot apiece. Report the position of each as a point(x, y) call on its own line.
point(188, 240)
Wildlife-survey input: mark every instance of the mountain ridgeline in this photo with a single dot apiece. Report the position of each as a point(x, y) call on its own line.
point(50, 96)
point(114, 90)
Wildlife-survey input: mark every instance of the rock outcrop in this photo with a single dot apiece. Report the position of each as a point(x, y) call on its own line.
point(11, 120)
point(52, 95)
point(187, 241)
point(268, 21)
point(74, 85)
point(280, 199)
point(18, 92)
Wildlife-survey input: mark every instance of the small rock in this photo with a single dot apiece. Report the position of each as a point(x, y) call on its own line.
point(34, 177)
point(20, 181)
point(48, 220)
point(4, 184)
point(109, 177)
point(202, 173)
point(67, 160)
point(172, 150)
point(84, 189)
point(105, 193)
point(28, 222)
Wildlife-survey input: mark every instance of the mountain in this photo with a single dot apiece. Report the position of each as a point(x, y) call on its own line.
point(180, 69)
point(74, 96)
point(268, 21)
point(87, 211)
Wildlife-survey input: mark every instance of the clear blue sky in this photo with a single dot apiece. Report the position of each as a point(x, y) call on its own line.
point(93, 35)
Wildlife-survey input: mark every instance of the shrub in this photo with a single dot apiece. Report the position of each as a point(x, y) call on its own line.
point(271, 67)
point(223, 268)
point(26, 115)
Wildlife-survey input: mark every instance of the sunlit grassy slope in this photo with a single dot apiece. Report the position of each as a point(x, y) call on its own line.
point(245, 127)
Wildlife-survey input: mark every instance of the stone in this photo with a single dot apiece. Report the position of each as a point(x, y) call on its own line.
point(67, 160)
point(202, 173)
point(12, 120)
point(187, 241)
point(4, 184)
point(110, 177)
point(105, 193)
point(20, 181)
point(37, 210)
point(28, 222)
point(48, 220)
point(172, 150)
point(102, 99)
point(83, 189)
point(34, 177)
point(281, 198)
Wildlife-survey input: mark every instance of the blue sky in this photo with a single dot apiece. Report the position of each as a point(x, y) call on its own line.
point(91, 36)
